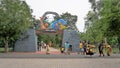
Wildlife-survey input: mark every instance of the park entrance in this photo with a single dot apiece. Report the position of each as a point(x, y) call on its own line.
point(53, 38)
point(53, 30)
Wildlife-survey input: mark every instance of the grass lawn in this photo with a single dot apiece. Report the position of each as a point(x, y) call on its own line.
point(2, 49)
point(114, 50)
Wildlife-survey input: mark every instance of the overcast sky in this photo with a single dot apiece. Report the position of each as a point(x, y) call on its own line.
point(75, 7)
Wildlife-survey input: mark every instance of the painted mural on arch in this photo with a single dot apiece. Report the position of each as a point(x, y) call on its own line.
point(56, 23)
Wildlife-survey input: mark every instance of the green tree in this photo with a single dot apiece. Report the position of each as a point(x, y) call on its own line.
point(15, 18)
point(111, 14)
point(103, 20)
point(71, 20)
point(92, 23)
point(55, 39)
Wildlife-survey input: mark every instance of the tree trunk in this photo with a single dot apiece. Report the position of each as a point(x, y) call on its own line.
point(105, 40)
point(118, 39)
point(6, 48)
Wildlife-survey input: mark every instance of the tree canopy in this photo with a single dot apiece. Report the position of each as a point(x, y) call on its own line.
point(15, 18)
point(71, 20)
point(103, 20)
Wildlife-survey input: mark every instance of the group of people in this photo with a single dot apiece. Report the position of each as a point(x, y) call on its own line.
point(87, 49)
point(102, 46)
point(45, 46)
point(82, 47)
point(66, 49)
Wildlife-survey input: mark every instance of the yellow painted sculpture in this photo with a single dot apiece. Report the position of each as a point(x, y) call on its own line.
point(90, 49)
point(42, 24)
point(108, 48)
point(56, 25)
point(61, 26)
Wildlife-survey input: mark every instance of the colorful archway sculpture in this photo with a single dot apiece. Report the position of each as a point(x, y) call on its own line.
point(57, 24)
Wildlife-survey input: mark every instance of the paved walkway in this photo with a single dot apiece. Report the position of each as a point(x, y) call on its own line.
point(57, 60)
point(52, 51)
point(59, 63)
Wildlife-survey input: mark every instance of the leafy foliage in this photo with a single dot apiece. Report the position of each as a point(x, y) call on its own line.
point(15, 18)
point(71, 20)
point(111, 14)
point(103, 20)
point(55, 39)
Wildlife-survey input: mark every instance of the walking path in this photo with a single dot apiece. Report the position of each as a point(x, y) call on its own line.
point(52, 51)
point(59, 63)
point(57, 60)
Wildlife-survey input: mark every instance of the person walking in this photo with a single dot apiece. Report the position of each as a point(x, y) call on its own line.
point(81, 48)
point(70, 49)
point(118, 43)
point(47, 49)
point(67, 48)
point(84, 47)
point(101, 47)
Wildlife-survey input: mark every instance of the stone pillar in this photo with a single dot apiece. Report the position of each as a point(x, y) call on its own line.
point(73, 38)
point(27, 44)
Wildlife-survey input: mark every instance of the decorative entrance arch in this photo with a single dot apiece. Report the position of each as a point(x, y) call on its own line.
point(49, 12)
point(56, 24)
point(49, 32)
point(67, 35)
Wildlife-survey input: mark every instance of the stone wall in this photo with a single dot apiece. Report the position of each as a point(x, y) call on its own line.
point(27, 44)
point(73, 38)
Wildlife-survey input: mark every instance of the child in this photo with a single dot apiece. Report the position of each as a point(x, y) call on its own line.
point(62, 49)
point(47, 49)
